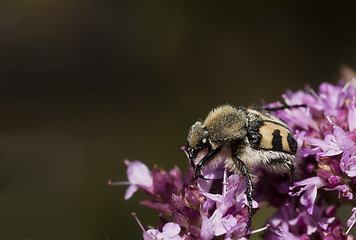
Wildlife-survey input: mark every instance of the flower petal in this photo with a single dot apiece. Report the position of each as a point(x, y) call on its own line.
point(138, 173)
point(206, 232)
point(171, 229)
point(130, 191)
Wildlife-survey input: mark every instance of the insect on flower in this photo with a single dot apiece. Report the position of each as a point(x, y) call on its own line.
point(250, 136)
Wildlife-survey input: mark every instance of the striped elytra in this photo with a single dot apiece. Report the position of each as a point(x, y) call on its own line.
point(274, 134)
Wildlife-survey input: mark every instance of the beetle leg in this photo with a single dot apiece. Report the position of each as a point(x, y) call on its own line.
point(210, 156)
point(242, 167)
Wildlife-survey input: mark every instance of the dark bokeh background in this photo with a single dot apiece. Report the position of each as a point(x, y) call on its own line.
point(85, 84)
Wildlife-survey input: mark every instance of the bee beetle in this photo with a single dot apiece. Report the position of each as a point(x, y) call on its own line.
point(251, 137)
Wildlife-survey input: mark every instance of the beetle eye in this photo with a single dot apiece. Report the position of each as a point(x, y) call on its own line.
point(205, 130)
point(253, 137)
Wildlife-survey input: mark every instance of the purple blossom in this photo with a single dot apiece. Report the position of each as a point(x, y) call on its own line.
point(343, 191)
point(332, 97)
point(293, 116)
point(311, 185)
point(216, 207)
point(315, 220)
point(211, 171)
point(327, 147)
point(348, 163)
point(352, 115)
point(281, 234)
point(290, 222)
point(224, 219)
point(219, 225)
point(170, 231)
point(139, 177)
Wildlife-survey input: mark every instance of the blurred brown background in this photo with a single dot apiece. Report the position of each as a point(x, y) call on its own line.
point(85, 84)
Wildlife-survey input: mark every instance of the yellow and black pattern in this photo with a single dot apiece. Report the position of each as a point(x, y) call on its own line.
point(269, 133)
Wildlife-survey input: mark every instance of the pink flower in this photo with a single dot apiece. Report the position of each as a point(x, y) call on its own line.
point(348, 163)
point(227, 217)
point(217, 208)
point(327, 147)
point(170, 231)
point(332, 97)
point(139, 177)
point(311, 186)
point(293, 116)
point(344, 191)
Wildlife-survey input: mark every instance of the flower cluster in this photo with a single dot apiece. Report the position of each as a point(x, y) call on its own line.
point(183, 205)
point(325, 132)
point(218, 209)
